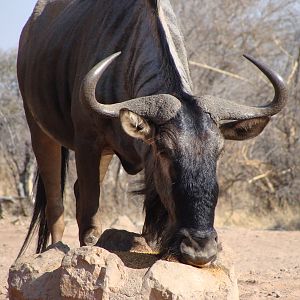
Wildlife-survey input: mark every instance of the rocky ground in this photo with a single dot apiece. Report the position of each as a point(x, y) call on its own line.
point(267, 262)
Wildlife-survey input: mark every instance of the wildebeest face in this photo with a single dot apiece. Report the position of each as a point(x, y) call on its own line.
point(182, 159)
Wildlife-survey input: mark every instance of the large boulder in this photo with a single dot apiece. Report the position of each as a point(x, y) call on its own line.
point(125, 269)
point(37, 276)
point(91, 273)
point(170, 280)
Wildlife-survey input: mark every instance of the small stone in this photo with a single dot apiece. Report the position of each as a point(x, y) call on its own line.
point(283, 270)
point(251, 281)
point(277, 294)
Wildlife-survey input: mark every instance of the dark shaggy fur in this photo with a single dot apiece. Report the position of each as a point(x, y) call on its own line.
point(156, 215)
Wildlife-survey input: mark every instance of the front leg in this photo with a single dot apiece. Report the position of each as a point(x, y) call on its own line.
point(87, 199)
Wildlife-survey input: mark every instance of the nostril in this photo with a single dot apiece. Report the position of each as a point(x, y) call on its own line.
point(186, 247)
point(187, 242)
point(216, 239)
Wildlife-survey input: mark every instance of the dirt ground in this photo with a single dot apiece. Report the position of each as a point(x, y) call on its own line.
point(267, 262)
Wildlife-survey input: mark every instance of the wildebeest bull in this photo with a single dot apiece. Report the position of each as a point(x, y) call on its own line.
point(138, 105)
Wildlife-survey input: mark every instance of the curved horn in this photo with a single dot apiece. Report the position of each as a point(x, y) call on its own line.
point(157, 108)
point(221, 109)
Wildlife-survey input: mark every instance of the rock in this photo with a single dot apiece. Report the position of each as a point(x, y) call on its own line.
point(91, 273)
point(122, 240)
point(132, 272)
point(171, 280)
point(35, 277)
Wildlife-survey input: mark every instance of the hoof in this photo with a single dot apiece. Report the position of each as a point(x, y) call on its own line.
point(91, 237)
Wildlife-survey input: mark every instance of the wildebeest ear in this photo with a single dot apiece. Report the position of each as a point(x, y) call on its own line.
point(135, 125)
point(244, 129)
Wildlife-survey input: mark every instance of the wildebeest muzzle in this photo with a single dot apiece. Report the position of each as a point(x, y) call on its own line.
point(197, 247)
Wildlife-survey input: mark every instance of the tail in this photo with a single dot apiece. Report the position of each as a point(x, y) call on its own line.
point(39, 217)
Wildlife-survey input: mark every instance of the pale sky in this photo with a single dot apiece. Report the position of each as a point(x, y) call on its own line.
point(13, 16)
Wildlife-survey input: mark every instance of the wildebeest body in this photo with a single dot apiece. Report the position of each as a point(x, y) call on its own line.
point(141, 109)
point(77, 37)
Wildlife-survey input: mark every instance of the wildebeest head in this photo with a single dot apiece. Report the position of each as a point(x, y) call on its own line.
point(185, 138)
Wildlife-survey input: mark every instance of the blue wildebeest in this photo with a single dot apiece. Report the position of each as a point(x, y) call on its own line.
point(140, 108)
